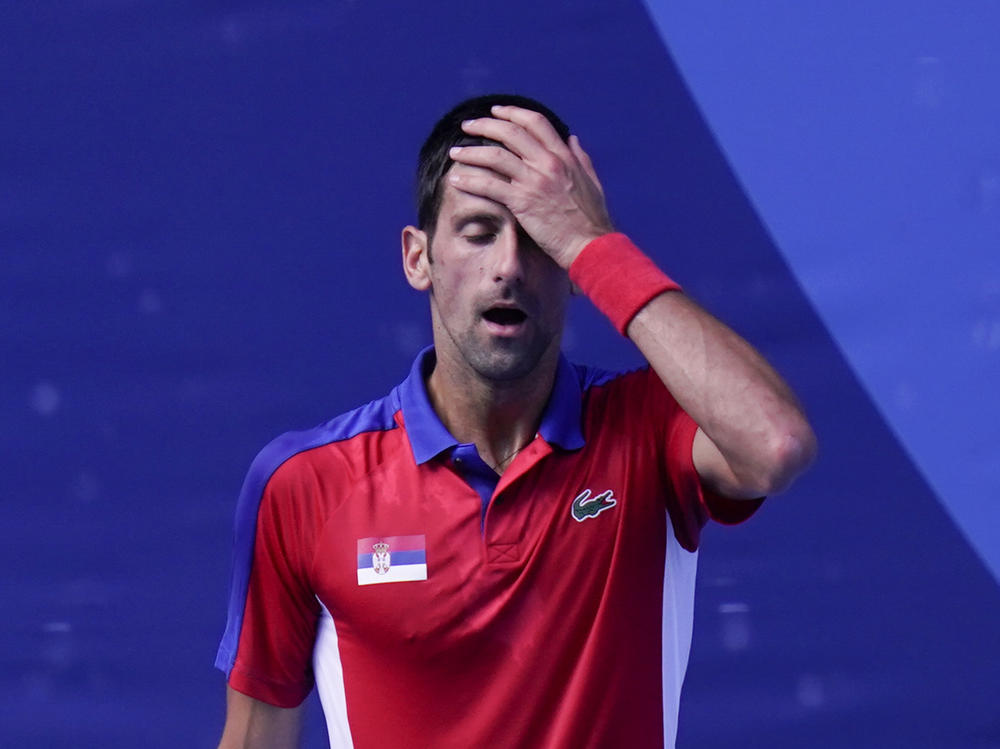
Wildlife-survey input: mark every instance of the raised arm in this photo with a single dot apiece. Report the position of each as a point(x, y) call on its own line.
point(252, 724)
point(753, 438)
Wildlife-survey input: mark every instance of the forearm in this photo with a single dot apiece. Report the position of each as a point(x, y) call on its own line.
point(754, 438)
point(736, 398)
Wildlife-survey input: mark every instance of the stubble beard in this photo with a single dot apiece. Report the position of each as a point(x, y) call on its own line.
point(505, 360)
point(501, 360)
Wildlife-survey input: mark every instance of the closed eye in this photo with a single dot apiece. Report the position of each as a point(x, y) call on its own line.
point(477, 228)
point(481, 239)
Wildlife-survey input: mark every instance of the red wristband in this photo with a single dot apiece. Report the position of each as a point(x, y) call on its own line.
point(619, 279)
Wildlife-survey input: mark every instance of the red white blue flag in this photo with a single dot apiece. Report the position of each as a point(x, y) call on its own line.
point(391, 559)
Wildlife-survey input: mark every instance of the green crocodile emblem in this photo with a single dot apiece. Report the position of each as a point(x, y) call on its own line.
point(585, 506)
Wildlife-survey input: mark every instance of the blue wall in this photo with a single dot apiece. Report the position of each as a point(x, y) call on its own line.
point(199, 216)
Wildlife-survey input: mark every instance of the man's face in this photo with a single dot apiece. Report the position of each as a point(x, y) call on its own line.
point(497, 301)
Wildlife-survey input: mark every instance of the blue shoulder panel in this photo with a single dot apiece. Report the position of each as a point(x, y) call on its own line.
point(373, 417)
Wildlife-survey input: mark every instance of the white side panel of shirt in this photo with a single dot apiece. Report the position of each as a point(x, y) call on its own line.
point(330, 682)
point(679, 571)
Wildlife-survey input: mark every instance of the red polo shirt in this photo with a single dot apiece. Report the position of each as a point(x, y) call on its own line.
point(436, 604)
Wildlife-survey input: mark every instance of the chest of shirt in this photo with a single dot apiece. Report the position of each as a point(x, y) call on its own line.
point(408, 555)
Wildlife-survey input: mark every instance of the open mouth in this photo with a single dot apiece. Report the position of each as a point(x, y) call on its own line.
point(505, 316)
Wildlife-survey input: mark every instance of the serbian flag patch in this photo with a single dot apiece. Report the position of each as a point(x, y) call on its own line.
point(391, 559)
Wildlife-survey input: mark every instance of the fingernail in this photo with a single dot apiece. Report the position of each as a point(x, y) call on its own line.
point(454, 150)
point(467, 122)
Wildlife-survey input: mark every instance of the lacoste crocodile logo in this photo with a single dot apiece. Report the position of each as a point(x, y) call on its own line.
point(585, 506)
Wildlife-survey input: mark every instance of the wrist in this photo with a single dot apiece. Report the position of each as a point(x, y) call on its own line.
point(576, 247)
point(618, 278)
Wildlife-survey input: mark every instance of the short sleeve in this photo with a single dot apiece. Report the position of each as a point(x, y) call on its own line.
point(273, 613)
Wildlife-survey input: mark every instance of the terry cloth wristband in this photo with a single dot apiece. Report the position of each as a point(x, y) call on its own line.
point(619, 279)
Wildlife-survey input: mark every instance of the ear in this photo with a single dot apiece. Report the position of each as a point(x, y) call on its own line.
point(415, 258)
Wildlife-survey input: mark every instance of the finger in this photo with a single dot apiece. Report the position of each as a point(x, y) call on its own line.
point(534, 156)
point(584, 159)
point(482, 182)
point(535, 123)
point(470, 170)
point(513, 137)
point(498, 159)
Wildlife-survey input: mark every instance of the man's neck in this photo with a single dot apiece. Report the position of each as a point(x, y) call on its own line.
point(500, 418)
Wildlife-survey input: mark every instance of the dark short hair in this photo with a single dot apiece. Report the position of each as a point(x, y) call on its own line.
point(434, 161)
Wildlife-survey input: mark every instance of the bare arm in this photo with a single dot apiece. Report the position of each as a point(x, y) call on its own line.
point(753, 438)
point(252, 724)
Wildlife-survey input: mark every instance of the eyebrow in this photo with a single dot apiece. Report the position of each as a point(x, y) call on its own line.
point(478, 217)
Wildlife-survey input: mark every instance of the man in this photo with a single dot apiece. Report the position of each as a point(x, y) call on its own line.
point(501, 552)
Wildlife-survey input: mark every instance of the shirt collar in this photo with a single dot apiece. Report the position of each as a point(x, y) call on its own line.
point(428, 436)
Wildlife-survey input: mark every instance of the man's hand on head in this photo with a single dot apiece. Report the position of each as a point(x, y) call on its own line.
point(549, 186)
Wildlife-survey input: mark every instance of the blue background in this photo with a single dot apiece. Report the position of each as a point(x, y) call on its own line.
point(200, 205)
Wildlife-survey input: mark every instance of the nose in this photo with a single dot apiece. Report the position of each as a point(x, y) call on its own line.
point(509, 256)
